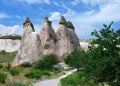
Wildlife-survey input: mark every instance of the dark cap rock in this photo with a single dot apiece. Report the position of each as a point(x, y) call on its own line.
point(27, 23)
point(62, 21)
point(46, 20)
point(70, 25)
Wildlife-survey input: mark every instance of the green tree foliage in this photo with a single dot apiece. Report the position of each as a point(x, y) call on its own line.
point(47, 62)
point(76, 59)
point(101, 63)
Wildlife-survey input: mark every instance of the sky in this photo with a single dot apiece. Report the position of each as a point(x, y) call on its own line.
point(86, 15)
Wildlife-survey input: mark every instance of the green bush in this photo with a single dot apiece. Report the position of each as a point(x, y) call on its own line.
point(2, 77)
point(47, 62)
point(26, 64)
point(71, 80)
point(1, 66)
point(33, 74)
point(14, 71)
point(45, 72)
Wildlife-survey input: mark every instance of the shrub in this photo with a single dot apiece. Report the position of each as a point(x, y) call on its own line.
point(58, 67)
point(14, 72)
point(26, 64)
point(2, 77)
point(45, 72)
point(33, 74)
point(71, 80)
point(8, 66)
point(1, 66)
point(47, 62)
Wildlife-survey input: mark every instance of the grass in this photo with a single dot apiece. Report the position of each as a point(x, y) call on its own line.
point(6, 57)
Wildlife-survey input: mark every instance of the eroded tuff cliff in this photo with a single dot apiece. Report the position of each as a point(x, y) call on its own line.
point(34, 45)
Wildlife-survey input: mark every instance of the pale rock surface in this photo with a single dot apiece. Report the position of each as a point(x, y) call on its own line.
point(30, 45)
point(9, 45)
point(48, 37)
point(67, 40)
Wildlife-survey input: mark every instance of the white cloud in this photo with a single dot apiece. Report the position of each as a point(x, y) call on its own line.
point(47, 1)
point(36, 1)
point(101, 3)
point(90, 20)
point(55, 16)
point(75, 2)
point(15, 29)
point(55, 3)
point(2, 15)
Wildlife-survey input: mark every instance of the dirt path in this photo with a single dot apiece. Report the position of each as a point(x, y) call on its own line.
point(54, 82)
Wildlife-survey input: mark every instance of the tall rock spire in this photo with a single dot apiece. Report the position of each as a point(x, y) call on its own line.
point(67, 40)
point(28, 28)
point(30, 48)
point(48, 37)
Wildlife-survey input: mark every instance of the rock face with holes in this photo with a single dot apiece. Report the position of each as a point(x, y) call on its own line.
point(67, 40)
point(34, 45)
point(30, 49)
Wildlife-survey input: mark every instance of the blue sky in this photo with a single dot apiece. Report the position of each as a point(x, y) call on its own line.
point(86, 15)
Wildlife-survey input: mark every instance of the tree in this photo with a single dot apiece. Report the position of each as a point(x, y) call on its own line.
point(104, 56)
point(101, 63)
point(76, 59)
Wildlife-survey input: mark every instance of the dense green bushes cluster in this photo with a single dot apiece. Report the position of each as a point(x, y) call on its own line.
point(33, 74)
point(37, 74)
point(14, 71)
point(47, 62)
point(101, 63)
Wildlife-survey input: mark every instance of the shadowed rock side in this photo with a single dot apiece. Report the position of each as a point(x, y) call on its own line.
point(67, 40)
point(30, 45)
point(48, 37)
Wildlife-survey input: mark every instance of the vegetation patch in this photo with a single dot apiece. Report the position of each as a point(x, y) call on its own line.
point(6, 57)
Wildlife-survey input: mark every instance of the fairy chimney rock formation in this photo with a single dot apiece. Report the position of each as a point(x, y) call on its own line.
point(30, 48)
point(48, 37)
point(34, 45)
point(66, 43)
